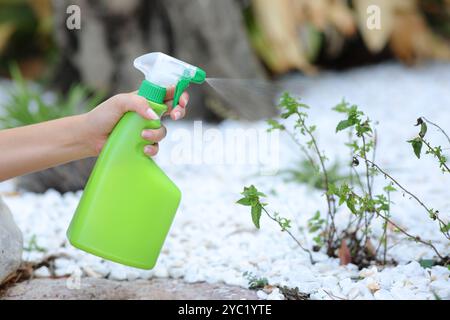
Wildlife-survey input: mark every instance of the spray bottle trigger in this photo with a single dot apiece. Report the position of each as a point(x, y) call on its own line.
point(179, 89)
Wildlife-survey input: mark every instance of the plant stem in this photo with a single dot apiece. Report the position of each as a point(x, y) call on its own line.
point(406, 233)
point(415, 238)
point(374, 153)
point(385, 229)
point(369, 187)
point(302, 148)
point(292, 236)
point(358, 180)
point(369, 190)
point(310, 159)
point(442, 163)
point(330, 199)
point(383, 239)
point(387, 175)
point(438, 127)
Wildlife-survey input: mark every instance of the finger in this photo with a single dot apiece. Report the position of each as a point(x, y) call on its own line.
point(178, 113)
point(184, 100)
point(131, 102)
point(170, 92)
point(151, 150)
point(155, 135)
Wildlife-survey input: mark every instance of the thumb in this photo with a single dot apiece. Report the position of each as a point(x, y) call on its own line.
point(132, 102)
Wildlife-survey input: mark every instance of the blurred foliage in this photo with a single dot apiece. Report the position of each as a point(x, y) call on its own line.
point(254, 282)
point(26, 34)
point(437, 13)
point(291, 34)
point(286, 34)
point(27, 105)
point(309, 174)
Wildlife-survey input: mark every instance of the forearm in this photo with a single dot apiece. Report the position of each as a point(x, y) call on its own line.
point(36, 147)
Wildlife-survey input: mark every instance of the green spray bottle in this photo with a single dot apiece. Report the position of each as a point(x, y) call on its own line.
point(129, 203)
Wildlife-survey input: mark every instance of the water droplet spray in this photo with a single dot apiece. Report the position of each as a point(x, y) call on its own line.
point(244, 95)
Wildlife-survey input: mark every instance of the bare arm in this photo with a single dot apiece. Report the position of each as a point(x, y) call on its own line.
point(36, 147)
point(40, 146)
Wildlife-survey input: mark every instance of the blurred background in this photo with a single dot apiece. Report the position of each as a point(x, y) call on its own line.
point(74, 69)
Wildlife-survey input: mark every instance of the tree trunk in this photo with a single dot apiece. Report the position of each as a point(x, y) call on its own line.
point(207, 33)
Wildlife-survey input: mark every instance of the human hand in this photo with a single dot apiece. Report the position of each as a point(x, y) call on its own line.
point(101, 121)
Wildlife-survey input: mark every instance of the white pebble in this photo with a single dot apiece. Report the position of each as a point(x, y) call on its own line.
point(275, 295)
point(383, 294)
point(200, 248)
point(262, 295)
point(118, 274)
point(42, 272)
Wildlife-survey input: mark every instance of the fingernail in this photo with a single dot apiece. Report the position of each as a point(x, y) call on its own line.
point(184, 100)
point(152, 114)
point(148, 149)
point(177, 115)
point(146, 134)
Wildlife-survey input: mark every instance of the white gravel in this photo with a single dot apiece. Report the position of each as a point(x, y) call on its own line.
point(212, 238)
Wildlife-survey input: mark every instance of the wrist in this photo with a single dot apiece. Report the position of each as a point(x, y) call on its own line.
point(83, 136)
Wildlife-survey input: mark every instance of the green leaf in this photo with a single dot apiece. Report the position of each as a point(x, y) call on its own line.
point(389, 188)
point(446, 228)
point(417, 146)
point(351, 204)
point(427, 263)
point(342, 107)
point(290, 106)
point(316, 215)
point(252, 192)
point(344, 124)
point(256, 215)
point(244, 202)
point(26, 106)
point(423, 130)
point(255, 282)
point(274, 125)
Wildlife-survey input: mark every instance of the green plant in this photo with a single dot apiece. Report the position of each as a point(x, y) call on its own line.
point(291, 107)
point(305, 172)
point(26, 104)
point(254, 282)
point(252, 198)
point(33, 245)
point(354, 242)
point(418, 142)
point(26, 31)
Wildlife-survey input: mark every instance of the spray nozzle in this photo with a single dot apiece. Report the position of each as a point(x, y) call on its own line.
point(162, 71)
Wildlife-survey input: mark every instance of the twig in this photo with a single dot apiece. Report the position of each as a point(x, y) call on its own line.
point(292, 236)
point(387, 175)
point(442, 163)
point(383, 239)
point(385, 229)
point(438, 127)
point(358, 180)
point(374, 153)
point(364, 157)
point(415, 238)
point(302, 147)
point(313, 164)
point(330, 199)
point(369, 188)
